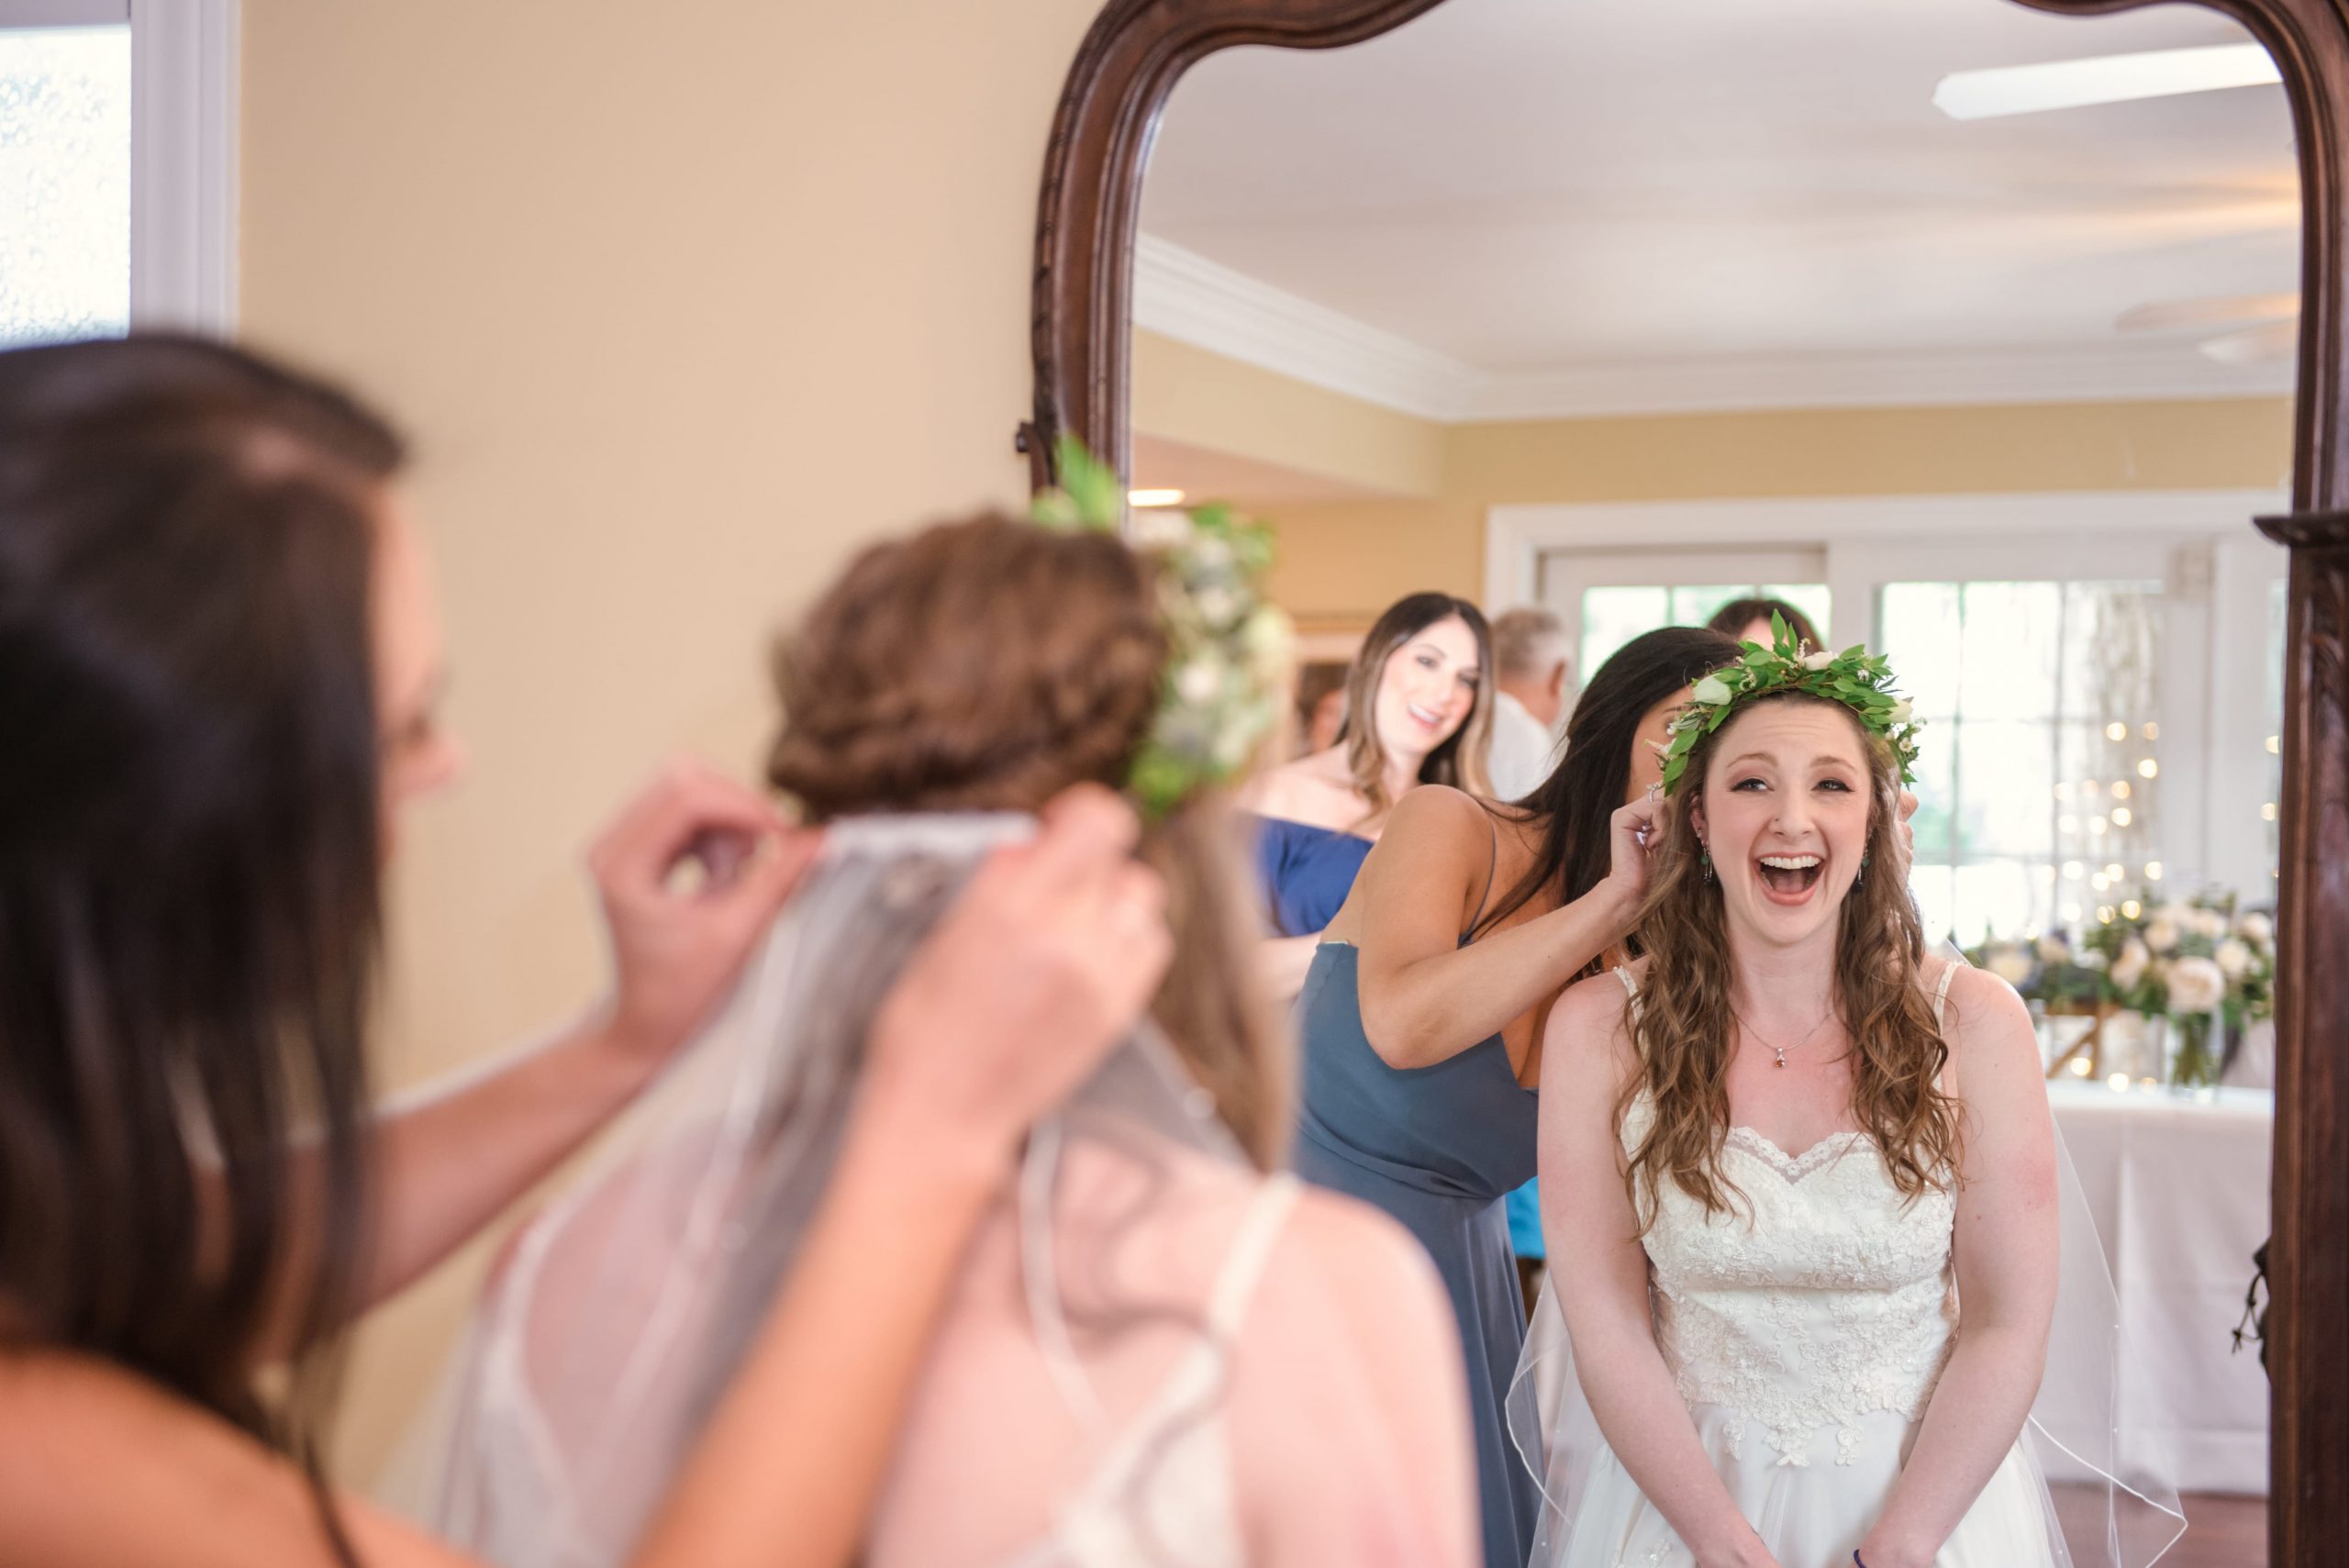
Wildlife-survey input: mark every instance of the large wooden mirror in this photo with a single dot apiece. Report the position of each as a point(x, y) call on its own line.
point(2173, 485)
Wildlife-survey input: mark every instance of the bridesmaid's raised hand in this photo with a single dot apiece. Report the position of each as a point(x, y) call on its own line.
point(1634, 833)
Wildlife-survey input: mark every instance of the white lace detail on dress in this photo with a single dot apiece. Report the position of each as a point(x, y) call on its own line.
point(1826, 1296)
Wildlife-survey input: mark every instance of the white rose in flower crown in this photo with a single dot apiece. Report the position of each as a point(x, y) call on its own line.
point(2233, 957)
point(1199, 680)
point(2129, 967)
point(1817, 661)
point(2011, 962)
point(2160, 933)
point(2052, 950)
point(2196, 985)
point(2256, 928)
point(1900, 712)
point(1713, 691)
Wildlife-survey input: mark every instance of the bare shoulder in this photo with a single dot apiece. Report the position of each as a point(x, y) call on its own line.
point(1304, 790)
point(1592, 1019)
point(99, 1465)
point(1341, 1256)
point(1439, 815)
point(1989, 1031)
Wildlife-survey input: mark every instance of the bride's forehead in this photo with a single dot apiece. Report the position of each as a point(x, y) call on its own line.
point(1792, 730)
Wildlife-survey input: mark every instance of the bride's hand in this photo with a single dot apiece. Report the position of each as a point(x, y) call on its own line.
point(677, 941)
point(1908, 827)
point(1633, 833)
point(1043, 963)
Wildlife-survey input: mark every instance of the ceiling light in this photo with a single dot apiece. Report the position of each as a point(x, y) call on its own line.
point(2105, 79)
point(1153, 497)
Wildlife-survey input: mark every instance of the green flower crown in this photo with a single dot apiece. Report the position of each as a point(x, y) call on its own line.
point(1858, 680)
point(1229, 652)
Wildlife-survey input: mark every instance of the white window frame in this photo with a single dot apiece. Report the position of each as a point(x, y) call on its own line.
point(183, 150)
point(2215, 572)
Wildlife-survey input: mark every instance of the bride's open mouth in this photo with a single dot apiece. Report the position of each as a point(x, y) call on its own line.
point(1788, 879)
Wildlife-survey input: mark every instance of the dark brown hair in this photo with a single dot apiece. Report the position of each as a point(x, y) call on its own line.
point(189, 843)
point(1460, 761)
point(1683, 1024)
point(1732, 618)
point(1586, 789)
point(988, 665)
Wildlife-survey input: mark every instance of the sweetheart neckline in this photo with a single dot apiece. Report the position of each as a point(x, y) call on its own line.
point(1794, 1167)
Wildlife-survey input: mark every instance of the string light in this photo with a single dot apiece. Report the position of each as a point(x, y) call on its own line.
point(2131, 908)
point(2153, 732)
point(2080, 1068)
point(2153, 871)
point(2274, 745)
point(2115, 872)
point(2071, 912)
point(2148, 769)
point(2121, 789)
point(2093, 788)
point(2097, 826)
point(2073, 872)
point(2118, 1083)
point(2099, 881)
point(2120, 817)
point(2068, 823)
point(2104, 914)
point(2116, 730)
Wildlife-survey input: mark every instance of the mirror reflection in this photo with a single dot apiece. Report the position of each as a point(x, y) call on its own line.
point(1963, 337)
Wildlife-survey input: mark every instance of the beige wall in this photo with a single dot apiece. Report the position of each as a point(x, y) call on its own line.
point(1343, 561)
point(679, 306)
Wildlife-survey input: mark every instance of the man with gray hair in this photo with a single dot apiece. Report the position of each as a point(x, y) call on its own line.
point(1529, 698)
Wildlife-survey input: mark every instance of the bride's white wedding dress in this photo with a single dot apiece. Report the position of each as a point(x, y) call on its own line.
point(1807, 1344)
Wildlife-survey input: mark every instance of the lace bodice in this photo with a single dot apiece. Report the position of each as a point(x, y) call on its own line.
point(1826, 1296)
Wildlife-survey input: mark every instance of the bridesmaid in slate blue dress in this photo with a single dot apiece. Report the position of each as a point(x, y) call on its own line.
point(1422, 1011)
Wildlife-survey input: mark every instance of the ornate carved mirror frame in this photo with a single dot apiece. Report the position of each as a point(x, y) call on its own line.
point(1125, 70)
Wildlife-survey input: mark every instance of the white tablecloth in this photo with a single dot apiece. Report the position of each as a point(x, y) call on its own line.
point(2179, 1188)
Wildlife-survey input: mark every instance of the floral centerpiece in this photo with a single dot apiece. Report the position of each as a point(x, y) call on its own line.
point(2184, 962)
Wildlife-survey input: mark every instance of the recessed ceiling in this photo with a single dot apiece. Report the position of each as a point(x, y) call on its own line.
point(1524, 188)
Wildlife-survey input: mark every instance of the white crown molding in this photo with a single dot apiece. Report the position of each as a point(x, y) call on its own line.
point(1186, 296)
point(2153, 372)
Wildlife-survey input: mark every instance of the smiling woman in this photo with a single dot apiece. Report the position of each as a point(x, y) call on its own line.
point(1419, 710)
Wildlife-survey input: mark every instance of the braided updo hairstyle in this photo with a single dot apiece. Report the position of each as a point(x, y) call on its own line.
point(986, 665)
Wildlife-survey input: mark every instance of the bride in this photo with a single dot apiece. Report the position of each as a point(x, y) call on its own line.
point(1162, 1354)
point(1783, 1147)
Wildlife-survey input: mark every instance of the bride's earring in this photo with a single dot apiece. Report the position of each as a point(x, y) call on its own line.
point(1705, 854)
point(1861, 879)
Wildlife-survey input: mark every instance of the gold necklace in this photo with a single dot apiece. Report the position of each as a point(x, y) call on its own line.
point(1779, 1051)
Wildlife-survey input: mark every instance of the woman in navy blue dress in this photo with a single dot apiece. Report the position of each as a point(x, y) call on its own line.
point(1421, 1012)
point(1419, 710)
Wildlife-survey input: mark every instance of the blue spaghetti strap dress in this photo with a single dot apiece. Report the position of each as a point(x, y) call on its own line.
point(1438, 1148)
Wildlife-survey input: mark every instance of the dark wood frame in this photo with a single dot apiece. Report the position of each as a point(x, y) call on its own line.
point(1129, 61)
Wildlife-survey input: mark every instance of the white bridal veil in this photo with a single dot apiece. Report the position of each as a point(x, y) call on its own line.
point(615, 1320)
point(2105, 1506)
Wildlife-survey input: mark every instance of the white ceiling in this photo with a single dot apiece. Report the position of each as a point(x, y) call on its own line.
point(1565, 205)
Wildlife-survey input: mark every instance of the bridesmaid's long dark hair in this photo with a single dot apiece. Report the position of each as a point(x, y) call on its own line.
point(189, 864)
point(1586, 789)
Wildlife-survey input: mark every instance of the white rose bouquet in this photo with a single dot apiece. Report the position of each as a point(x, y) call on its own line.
point(2188, 960)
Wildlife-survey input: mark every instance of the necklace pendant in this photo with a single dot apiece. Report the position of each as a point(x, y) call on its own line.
point(1782, 1058)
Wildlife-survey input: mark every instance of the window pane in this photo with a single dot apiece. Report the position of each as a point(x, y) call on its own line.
point(2006, 779)
point(2007, 662)
point(2038, 787)
point(1694, 607)
point(1919, 634)
point(1612, 616)
point(1813, 599)
point(64, 183)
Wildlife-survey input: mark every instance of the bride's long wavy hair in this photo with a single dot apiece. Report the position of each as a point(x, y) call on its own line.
point(1682, 1026)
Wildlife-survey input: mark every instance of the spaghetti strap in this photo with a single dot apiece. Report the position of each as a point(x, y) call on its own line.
point(1940, 990)
point(1492, 868)
point(1622, 971)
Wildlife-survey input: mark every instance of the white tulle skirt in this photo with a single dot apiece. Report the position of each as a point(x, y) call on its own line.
point(1810, 1514)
